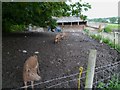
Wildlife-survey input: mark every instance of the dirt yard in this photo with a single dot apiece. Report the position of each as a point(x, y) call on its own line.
point(56, 60)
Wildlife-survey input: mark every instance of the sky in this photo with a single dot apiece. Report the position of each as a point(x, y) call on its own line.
point(101, 8)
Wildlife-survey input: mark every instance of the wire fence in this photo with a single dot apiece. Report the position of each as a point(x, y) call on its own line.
point(111, 38)
point(102, 74)
point(105, 73)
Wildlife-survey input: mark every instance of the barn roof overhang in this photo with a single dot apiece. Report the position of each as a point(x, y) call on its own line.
point(68, 19)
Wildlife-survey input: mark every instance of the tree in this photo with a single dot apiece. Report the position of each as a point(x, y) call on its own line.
point(83, 17)
point(78, 7)
point(37, 13)
point(118, 20)
point(113, 19)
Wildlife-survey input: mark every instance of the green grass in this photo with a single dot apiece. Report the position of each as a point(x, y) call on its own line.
point(86, 31)
point(107, 41)
point(113, 26)
point(114, 83)
point(110, 27)
point(118, 47)
point(111, 44)
point(97, 37)
point(107, 29)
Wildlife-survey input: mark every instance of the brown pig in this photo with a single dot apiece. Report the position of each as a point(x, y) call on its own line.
point(31, 70)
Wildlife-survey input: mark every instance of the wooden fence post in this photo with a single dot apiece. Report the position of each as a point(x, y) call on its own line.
point(90, 70)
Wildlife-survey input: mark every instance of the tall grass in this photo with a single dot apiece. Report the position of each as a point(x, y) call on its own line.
point(107, 41)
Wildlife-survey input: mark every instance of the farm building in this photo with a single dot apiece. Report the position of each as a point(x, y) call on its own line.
point(70, 21)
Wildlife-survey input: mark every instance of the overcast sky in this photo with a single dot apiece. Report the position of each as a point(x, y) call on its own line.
point(101, 8)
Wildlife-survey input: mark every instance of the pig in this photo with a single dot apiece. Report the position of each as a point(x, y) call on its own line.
point(57, 38)
point(31, 71)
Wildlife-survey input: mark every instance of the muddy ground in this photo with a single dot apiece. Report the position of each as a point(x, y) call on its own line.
point(56, 60)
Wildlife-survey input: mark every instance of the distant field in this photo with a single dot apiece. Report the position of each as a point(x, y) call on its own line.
point(113, 26)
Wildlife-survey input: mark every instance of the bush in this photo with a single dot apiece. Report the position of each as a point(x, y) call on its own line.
point(16, 28)
point(111, 44)
point(107, 29)
point(93, 36)
point(97, 37)
point(106, 40)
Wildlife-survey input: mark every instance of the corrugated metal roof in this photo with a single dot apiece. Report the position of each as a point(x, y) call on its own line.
point(68, 19)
